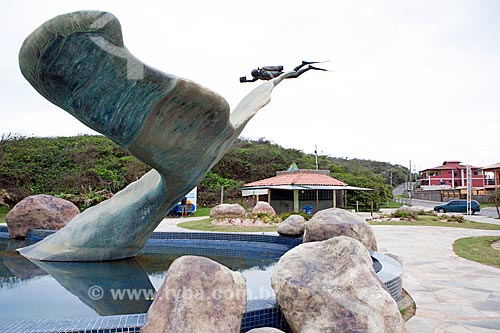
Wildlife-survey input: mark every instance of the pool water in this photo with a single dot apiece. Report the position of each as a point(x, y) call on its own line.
point(56, 290)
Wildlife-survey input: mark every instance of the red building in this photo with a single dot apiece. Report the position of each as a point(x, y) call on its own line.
point(450, 175)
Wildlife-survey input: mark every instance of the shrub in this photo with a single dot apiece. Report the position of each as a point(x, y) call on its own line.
point(453, 218)
point(284, 216)
point(405, 214)
point(267, 218)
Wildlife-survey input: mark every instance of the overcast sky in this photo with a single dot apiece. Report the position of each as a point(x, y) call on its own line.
point(412, 80)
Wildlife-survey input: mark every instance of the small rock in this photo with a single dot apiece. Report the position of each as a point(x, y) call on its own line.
point(198, 295)
point(293, 226)
point(227, 211)
point(335, 222)
point(262, 207)
point(414, 210)
point(330, 286)
point(39, 212)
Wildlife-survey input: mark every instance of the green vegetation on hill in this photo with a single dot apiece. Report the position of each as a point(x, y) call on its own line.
point(82, 169)
point(89, 169)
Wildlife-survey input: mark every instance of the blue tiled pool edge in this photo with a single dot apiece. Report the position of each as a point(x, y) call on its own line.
point(259, 312)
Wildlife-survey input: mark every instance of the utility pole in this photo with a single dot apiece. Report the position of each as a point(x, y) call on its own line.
point(409, 184)
point(316, 153)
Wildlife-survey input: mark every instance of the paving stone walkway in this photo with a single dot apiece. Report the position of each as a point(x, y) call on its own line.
point(452, 294)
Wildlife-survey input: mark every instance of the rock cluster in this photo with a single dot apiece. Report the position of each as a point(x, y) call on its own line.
point(227, 211)
point(335, 222)
point(39, 212)
point(321, 286)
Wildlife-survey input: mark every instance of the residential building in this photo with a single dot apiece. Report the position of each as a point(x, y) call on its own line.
point(450, 175)
point(492, 176)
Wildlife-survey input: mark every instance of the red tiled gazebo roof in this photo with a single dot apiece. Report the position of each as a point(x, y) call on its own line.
point(299, 177)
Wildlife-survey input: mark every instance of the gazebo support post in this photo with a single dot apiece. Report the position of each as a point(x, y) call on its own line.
point(317, 201)
point(371, 203)
point(296, 200)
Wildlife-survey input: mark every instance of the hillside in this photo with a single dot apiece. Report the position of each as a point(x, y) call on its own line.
point(89, 169)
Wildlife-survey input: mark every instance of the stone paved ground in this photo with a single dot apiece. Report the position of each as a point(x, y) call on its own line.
point(452, 294)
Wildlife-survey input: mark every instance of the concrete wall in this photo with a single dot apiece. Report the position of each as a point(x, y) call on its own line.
point(428, 195)
point(447, 195)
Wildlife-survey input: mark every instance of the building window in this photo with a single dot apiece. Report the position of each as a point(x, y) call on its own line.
point(281, 195)
point(311, 195)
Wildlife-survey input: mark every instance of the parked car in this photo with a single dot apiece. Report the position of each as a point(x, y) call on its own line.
point(458, 206)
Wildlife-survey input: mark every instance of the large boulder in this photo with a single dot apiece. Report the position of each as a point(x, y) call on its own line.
point(293, 226)
point(227, 211)
point(335, 222)
point(331, 286)
point(262, 207)
point(39, 212)
point(198, 295)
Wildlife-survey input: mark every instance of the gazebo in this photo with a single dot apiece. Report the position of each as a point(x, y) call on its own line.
point(297, 190)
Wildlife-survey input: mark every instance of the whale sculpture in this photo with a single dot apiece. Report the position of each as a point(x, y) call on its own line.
point(78, 62)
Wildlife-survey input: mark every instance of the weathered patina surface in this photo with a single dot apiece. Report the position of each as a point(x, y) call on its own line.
point(78, 62)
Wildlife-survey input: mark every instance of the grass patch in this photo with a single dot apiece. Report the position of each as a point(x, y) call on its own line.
point(3, 212)
point(478, 249)
point(205, 225)
point(203, 211)
point(435, 221)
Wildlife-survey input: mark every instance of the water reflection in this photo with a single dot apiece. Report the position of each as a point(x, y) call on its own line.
point(103, 285)
point(51, 284)
point(14, 268)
